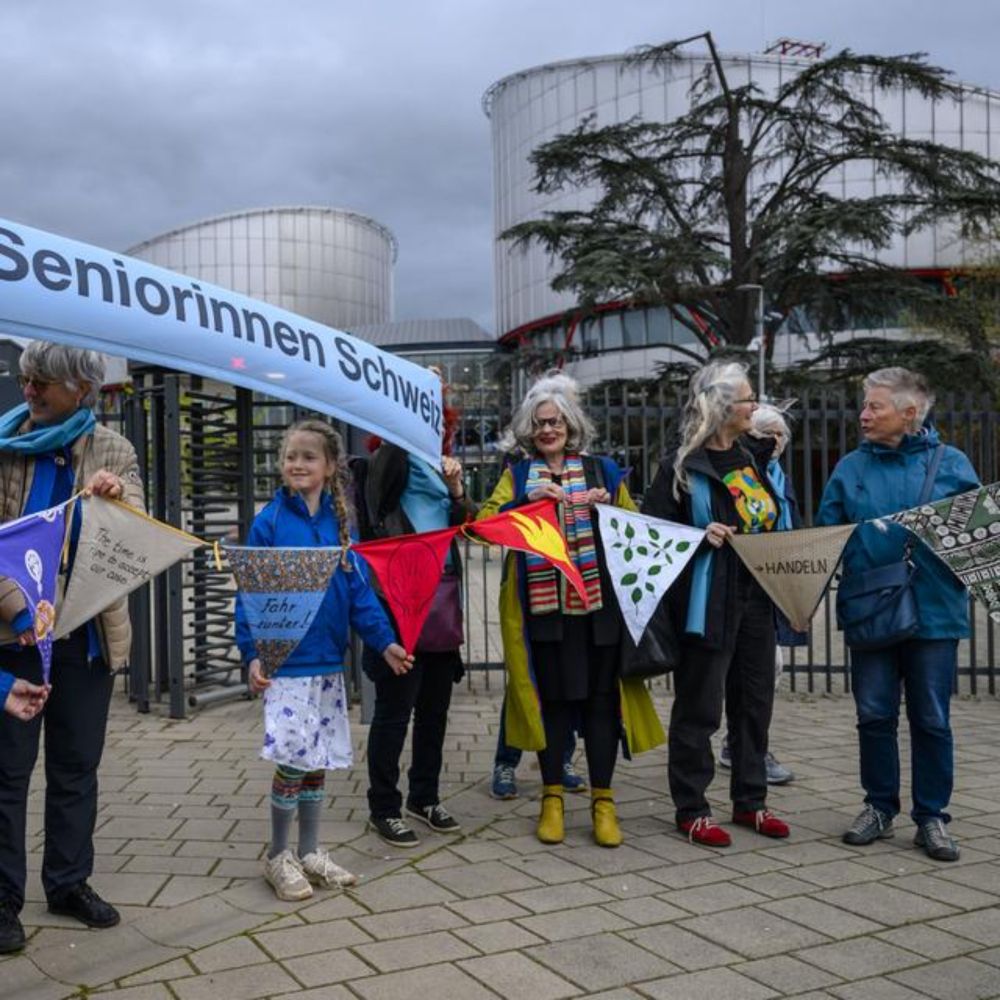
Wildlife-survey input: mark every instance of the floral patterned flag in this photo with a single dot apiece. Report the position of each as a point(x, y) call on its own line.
point(794, 567)
point(964, 532)
point(644, 556)
point(281, 591)
point(30, 554)
point(408, 569)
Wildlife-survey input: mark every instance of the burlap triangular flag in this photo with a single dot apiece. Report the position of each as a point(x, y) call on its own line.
point(794, 567)
point(119, 549)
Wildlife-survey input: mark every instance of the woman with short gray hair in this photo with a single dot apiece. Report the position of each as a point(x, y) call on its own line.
point(50, 448)
point(899, 464)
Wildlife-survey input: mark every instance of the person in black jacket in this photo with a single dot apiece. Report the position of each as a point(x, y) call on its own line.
point(401, 494)
point(717, 479)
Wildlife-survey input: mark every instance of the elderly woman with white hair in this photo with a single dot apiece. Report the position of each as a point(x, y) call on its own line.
point(899, 464)
point(51, 447)
point(718, 479)
point(562, 657)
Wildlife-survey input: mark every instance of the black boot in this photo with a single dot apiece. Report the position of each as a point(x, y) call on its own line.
point(11, 931)
point(82, 903)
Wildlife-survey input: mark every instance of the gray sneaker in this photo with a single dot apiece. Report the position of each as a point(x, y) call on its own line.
point(870, 825)
point(777, 773)
point(932, 836)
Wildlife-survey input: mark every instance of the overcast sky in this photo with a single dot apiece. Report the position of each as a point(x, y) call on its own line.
point(122, 119)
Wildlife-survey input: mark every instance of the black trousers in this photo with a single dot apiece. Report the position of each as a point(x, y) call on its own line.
point(424, 693)
point(75, 719)
point(743, 675)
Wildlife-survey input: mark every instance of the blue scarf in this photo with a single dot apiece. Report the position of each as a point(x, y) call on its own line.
point(43, 439)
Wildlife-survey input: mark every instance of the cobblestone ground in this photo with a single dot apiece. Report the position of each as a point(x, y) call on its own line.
point(493, 913)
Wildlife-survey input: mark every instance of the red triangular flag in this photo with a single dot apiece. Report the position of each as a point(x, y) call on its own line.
point(408, 568)
point(533, 527)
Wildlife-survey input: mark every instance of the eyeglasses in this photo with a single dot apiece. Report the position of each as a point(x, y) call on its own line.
point(36, 383)
point(556, 423)
point(748, 399)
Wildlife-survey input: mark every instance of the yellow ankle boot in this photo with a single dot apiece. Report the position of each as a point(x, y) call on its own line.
point(607, 832)
point(551, 829)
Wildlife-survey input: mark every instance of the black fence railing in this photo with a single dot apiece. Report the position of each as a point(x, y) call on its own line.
point(209, 453)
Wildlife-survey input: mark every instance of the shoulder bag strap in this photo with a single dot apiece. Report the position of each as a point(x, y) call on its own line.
point(932, 470)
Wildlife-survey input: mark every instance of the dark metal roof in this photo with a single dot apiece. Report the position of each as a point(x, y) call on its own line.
point(461, 332)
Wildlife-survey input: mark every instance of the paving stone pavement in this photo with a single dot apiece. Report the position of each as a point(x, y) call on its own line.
point(493, 913)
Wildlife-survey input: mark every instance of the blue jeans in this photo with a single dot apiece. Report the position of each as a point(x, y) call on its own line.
point(925, 668)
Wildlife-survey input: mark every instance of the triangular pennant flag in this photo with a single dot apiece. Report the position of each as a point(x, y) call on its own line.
point(644, 556)
point(408, 568)
point(281, 591)
point(964, 532)
point(532, 527)
point(794, 567)
point(119, 549)
point(30, 554)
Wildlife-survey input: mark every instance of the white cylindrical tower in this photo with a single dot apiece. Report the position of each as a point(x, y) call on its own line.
point(328, 264)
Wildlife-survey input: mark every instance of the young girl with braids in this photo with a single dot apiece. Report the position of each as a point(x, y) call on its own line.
point(306, 729)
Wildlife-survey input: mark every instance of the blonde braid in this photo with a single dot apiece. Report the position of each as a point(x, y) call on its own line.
point(337, 483)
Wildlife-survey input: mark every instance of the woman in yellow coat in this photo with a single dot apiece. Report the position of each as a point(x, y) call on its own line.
point(562, 658)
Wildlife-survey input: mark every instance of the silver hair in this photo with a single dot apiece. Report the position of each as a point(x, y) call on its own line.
point(711, 394)
point(71, 366)
point(770, 420)
point(907, 388)
point(563, 393)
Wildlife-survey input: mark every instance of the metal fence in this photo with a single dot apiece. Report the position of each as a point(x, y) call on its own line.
point(209, 454)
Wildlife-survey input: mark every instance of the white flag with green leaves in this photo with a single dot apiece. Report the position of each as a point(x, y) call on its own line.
point(644, 556)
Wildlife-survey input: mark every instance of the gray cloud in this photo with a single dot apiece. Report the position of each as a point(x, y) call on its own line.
point(122, 120)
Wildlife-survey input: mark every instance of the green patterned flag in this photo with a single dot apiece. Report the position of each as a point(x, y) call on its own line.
point(644, 556)
point(964, 532)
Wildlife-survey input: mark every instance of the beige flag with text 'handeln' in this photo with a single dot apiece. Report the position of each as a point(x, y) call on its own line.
point(119, 549)
point(794, 567)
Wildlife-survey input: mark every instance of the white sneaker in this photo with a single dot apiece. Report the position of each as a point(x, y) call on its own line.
point(321, 870)
point(284, 873)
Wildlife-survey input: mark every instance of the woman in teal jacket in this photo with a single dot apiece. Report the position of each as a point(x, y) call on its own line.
point(883, 476)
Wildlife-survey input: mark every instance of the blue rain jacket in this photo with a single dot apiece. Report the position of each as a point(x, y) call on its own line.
point(875, 480)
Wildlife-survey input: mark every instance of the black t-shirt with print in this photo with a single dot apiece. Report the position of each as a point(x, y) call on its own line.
point(755, 507)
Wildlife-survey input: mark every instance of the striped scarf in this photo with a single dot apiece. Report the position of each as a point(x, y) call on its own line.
point(548, 589)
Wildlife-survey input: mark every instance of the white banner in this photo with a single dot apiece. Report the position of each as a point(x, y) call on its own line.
point(56, 289)
point(644, 556)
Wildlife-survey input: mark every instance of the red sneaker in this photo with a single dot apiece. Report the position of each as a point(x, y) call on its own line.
point(704, 830)
point(763, 821)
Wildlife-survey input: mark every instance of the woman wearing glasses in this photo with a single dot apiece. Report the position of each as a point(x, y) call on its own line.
point(717, 480)
point(50, 447)
point(562, 657)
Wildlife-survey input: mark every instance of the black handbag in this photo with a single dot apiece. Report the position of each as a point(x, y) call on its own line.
point(658, 651)
point(877, 608)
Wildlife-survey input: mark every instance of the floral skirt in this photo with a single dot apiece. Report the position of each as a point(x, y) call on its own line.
point(306, 724)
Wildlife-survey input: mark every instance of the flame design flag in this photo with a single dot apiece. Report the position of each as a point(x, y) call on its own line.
point(118, 550)
point(964, 533)
point(281, 591)
point(644, 555)
point(408, 568)
point(532, 527)
point(794, 567)
point(30, 551)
